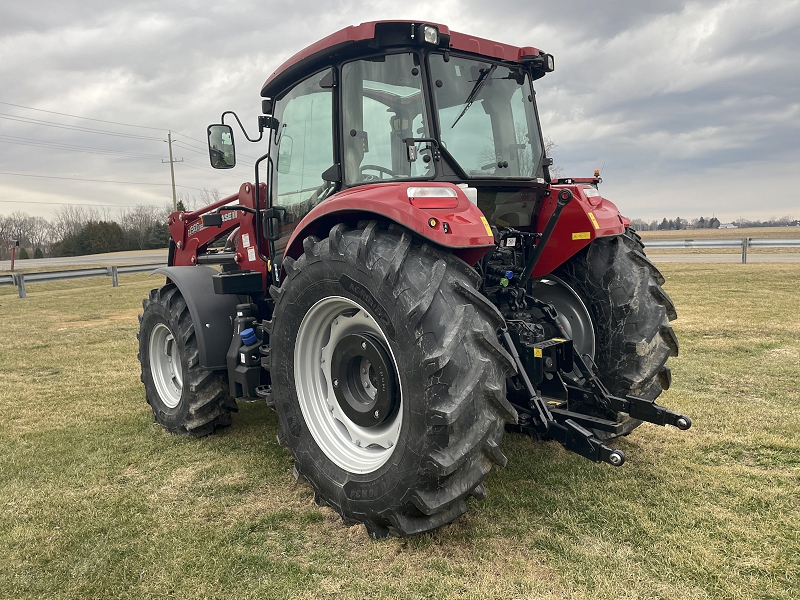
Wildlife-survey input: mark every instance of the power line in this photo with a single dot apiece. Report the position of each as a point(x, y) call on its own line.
point(188, 136)
point(73, 147)
point(79, 179)
point(189, 166)
point(204, 148)
point(182, 146)
point(78, 204)
point(52, 112)
point(30, 121)
point(189, 148)
point(94, 180)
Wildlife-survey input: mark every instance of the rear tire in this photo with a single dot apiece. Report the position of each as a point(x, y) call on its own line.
point(630, 315)
point(438, 346)
point(185, 398)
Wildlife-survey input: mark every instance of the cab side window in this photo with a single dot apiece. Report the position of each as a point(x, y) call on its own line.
point(303, 149)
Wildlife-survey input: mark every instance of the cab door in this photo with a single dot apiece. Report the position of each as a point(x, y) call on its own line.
point(303, 147)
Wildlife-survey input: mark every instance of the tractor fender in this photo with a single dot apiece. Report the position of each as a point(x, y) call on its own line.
point(587, 217)
point(461, 226)
point(212, 314)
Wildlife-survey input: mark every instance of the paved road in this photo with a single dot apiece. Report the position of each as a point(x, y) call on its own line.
point(134, 257)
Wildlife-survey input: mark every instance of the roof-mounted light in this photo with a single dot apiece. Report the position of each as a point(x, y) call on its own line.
point(430, 34)
point(543, 63)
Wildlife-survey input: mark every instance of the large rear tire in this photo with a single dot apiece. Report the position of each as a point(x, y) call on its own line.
point(185, 398)
point(373, 308)
point(630, 314)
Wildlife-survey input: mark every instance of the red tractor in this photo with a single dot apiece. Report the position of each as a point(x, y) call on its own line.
point(407, 282)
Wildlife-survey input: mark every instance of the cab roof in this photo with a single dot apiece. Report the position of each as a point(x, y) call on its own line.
point(375, 35)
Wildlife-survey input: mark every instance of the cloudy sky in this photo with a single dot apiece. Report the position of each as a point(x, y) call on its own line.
point(690, 108)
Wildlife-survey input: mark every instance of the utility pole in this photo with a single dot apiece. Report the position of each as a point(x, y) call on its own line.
point(172, 170)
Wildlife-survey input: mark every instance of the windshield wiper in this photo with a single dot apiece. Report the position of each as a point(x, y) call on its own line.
point(479, 83)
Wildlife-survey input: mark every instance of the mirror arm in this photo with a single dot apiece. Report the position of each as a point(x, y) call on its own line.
point(235, 116)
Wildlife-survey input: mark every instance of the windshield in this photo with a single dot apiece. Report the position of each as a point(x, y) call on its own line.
point(486, 117)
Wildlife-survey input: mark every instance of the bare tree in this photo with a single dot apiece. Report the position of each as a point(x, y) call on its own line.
point(71, 218)
point(208, 196)
point(556, 171)
point(137, 223)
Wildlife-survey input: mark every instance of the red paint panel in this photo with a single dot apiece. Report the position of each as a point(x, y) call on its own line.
point(467, 231)
point(573, 224)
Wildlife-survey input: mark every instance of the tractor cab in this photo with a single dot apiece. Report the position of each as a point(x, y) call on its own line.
point(403, 102)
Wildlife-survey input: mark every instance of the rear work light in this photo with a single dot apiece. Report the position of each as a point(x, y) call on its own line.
point(433, 197)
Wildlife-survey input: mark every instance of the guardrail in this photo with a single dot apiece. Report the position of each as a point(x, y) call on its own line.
point(20, 279)
point(744, 244)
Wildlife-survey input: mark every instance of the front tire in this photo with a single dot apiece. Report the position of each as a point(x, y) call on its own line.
point(372, 307)
point(185, 398)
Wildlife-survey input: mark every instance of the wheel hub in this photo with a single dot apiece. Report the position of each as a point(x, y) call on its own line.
point(573, 316)
point(165, 365)
point(345, 372)
point(364, 382)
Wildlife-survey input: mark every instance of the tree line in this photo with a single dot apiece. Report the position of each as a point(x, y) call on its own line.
point(706, 223)
point(76, 230)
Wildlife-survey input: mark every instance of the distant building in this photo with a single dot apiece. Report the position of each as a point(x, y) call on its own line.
point(728, 226)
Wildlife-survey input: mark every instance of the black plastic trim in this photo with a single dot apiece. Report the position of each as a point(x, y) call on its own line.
point(212, 314)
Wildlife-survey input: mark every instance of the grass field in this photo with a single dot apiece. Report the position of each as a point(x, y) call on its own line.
point(98, 501)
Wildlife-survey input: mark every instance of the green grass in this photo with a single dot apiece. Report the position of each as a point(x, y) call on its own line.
point(98, 501)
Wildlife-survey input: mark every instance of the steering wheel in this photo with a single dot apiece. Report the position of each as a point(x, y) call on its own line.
point(377, 168)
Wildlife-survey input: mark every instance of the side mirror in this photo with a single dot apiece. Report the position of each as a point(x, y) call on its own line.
point(285, 154)
point(220, 147)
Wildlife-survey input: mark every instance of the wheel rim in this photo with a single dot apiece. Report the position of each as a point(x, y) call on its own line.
point(573, 315)
point(165, 365)
point(356, 448)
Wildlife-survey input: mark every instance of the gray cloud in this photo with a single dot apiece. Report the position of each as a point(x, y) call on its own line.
point(677, 99)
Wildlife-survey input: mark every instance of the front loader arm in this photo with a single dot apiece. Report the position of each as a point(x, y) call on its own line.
point(192, 238)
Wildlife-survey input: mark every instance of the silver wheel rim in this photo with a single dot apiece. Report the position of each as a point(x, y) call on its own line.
point(573, 315)
point(354, 448)
point(165, 365)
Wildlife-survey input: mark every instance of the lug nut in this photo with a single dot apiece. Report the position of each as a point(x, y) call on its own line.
point(363, 345)
point(358, 443)
point(335, 383)
point(377, 414)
